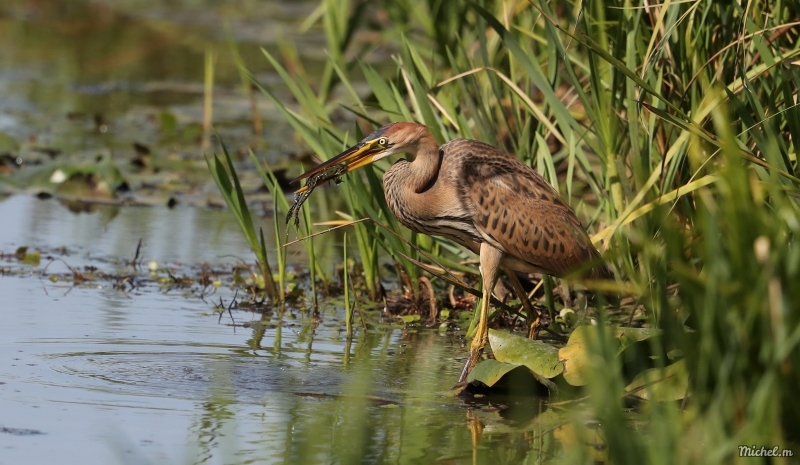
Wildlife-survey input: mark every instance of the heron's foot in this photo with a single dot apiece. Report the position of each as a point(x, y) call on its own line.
point(475, 352)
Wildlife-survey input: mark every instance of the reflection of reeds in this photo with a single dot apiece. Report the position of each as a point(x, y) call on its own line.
point(356, 413)
point(674, 139)
point(348, 311)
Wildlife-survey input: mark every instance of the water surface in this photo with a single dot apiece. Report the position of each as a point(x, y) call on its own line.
point(95, 372)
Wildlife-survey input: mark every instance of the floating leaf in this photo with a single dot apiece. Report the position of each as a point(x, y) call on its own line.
point(32, 258)
point(628, 336)
point(408, 319)
point(659, 385)
point(20, 252)
point(540, 358)
point(86, 186)
point(575, 355)
point(490, 371)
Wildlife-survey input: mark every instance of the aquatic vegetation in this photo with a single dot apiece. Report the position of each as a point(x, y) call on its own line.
point(230, 188)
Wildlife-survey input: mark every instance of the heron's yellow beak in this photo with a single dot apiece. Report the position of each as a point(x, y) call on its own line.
point(361, 154)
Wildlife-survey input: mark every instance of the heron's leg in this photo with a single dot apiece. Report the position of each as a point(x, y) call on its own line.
point(490, 259)
point(532, 315)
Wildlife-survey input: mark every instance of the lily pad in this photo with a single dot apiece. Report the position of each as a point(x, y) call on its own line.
point(659, 385)
point(629, 336)
point(540, 358)
point(409, 319)
point(575, 355)
point(490, 371)
point(29, 258)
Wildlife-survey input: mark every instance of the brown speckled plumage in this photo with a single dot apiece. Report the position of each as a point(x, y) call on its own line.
point(482, 194)
point(483, 198)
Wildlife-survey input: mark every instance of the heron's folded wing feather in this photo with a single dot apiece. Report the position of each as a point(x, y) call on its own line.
point(523, 214)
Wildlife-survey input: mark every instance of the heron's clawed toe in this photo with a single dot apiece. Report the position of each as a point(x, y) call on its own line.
point(475, 352)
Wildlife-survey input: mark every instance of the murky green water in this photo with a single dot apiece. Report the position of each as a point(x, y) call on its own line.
point(131, 368)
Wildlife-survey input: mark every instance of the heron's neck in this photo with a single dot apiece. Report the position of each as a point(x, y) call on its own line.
point(426, 164)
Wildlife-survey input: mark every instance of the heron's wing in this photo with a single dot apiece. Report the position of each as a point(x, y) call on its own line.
point(514, 207)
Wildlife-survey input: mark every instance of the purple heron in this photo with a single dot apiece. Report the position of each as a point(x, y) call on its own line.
point(483, 198)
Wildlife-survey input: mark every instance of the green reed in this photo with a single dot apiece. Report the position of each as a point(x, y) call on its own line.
point(224, 174)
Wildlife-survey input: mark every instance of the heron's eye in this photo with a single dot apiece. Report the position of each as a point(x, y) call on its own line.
point(382, 141)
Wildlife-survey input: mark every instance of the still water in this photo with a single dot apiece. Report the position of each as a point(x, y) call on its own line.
point(91, 374)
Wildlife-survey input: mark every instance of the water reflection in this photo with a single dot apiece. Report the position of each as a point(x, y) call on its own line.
point(180, 235)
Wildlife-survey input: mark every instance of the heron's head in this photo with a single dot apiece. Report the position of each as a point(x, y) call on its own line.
point(394, 138)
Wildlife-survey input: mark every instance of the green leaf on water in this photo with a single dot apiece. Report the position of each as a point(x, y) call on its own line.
point(540, 358)
point(20, 252)
point(629, 336)
point(33, 258)
point(576, 354)
point(490, 371)
point(408, 319)
point(659, 385)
